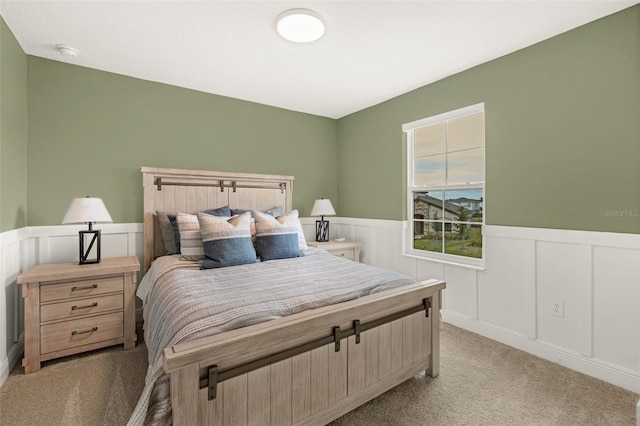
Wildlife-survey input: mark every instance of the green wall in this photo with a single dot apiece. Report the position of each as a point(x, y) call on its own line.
point(90, 131)
point(13, 131)
point(562, 133)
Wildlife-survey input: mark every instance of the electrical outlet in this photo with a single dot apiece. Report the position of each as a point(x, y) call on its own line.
point(557, 308)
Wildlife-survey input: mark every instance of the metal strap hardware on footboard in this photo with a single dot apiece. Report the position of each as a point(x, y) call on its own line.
point(222, 184)
point(214, 376)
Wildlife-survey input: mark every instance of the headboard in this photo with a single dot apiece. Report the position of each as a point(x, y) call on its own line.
point(190, 191)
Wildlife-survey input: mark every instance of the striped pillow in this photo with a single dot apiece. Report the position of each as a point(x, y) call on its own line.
point(190, 239)
point(277, 238)
point(171, 233)
point(226, 242)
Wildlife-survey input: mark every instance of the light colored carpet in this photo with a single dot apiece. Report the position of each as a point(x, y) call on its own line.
point(481, 382)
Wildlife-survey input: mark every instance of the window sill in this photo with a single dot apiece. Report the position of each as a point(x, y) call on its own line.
point(477, 264)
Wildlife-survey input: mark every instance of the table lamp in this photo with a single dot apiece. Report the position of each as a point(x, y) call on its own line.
point(322, 208)
point(88, 210)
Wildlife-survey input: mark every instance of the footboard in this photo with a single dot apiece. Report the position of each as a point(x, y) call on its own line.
point(311, 367)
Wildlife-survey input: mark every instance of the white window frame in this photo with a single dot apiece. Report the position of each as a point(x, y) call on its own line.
point(408, 236)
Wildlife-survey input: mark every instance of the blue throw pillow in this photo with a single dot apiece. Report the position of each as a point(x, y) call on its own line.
point(226, 242)
point(277, 238)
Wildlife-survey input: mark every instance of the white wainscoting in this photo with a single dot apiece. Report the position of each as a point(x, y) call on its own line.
point(595, 274)
point(25, 247)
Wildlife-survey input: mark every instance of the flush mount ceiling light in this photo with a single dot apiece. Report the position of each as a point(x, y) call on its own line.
point(300, 25)
point(68, 51)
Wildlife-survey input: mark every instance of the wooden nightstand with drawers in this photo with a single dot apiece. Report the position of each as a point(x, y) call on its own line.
point(345, 248)
point(71, 308)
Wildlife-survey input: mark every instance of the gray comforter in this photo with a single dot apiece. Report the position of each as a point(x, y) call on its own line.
point(184, 303)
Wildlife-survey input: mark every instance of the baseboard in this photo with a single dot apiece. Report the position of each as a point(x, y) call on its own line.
point(12, 358)
point(590, 366)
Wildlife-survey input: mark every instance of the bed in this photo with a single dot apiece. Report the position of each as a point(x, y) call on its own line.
point(304, 360)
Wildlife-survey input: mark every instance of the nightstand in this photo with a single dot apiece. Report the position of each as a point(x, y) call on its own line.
point(71, 308)
point(347, 248)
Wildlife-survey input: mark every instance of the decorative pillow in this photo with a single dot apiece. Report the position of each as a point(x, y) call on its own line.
point(169, 230)
point(226, 242)
point(190, 240)
point(171, 233)
point(302, 241)
point(277, 238)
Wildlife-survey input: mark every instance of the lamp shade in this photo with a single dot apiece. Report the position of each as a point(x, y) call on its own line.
point(87, 210)
point(322, 207)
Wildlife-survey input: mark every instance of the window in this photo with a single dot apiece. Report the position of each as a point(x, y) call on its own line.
point(445, 186)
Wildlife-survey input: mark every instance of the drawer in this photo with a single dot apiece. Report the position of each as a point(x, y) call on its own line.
point(347, 254)
point(78, 307)
point(68, 334)
point(83, 288)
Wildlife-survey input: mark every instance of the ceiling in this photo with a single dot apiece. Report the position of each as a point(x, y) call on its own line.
point(371, 51)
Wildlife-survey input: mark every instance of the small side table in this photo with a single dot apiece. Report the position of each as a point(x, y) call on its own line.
point(71, 308)
point(347, 249)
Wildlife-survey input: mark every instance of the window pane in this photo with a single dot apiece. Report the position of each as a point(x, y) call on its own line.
point(428, 239)
point(466, 166)
point(463, 240)
point(427, 205)
point(466, 132)
point(430, 140)
point(430, 170)
point(465, 203)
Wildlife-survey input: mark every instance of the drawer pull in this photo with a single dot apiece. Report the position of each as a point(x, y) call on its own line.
point(341, 255)
point(74, 332)
point(87, 287)
point(93, 305)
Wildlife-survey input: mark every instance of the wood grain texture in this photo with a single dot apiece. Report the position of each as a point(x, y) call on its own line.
point(281, 392)
point(71, 308)
point(355, 364)
point(337, 374)
point(210, 412)
point(50, 272)
point(396, 344)
point(300, 386)
point(407, 340)
point(239, 346)
point(372, 357)
point(68, 334)
point(350, 402)
point(384, 350)
point(320, 378)
point(347, 249)
point(235, 401)
point(81, 288)
point(434, 364)
point(79, 307)
point(130, 310)
point(259, 396)
point(184, 396)
point(31, 295)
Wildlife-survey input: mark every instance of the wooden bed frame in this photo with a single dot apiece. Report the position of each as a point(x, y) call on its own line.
point(307, 368)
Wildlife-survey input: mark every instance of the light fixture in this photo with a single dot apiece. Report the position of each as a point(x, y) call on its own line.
point(68, 51)
point(88, 210)
point(300, 25)
point(322, 208)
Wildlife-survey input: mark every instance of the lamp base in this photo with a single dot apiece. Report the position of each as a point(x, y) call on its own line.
point(84, 254)
point(322, 230)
